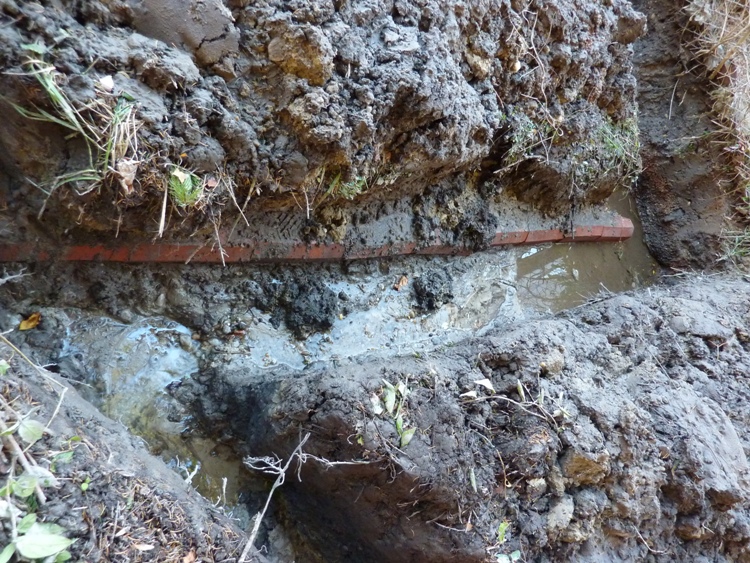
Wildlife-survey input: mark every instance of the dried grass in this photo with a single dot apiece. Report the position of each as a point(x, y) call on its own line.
point(720, 41)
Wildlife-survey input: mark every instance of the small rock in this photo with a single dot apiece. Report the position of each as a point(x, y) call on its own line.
point(582, 468)
point(680, 324)
point(560, 514)
point(535, 488)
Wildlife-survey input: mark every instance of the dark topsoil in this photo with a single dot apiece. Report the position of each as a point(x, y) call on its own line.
point(309, 105)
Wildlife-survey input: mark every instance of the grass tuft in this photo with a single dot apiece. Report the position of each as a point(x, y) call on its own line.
point(107, 125)
point(720, 42)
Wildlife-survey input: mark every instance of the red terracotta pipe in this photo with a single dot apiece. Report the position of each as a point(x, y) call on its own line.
point(259, 251)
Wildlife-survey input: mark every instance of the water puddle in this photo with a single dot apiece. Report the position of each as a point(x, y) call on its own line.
point(561, 276)
point(125, 373)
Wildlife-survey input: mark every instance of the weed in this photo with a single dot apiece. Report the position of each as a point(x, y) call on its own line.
point(354, 188)
point(185, 187)
point(317, 193)
point(719, 38)
point(391, 401)
point(30, 540)
point(736, 245)
point(524, 137)
point(619, 148)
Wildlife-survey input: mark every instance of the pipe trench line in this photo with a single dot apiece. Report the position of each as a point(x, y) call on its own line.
point(260, 251)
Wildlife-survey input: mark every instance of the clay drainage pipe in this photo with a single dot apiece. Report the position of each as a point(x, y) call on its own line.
point(259, 251)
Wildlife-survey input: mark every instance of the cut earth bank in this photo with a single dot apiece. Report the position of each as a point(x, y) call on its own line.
point(616, 431)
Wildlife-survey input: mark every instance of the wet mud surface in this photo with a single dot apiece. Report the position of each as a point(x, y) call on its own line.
point(682, 193)
point(561, 276)
point(613, 432)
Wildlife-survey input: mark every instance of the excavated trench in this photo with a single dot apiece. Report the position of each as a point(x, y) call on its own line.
point(404, 305)
point(426, 190)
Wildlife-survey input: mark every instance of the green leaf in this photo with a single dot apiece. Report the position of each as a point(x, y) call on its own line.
point(26, 523)
point(52, 529)
point(399, 425)
point(63, 556)
point(389, 398)
point(43, 476)
point(30, 430)
point(501, 530)
point(61, 459)
point(85, 484)
point(402, 389)
point(4, 367)
point(516, 555)
point(10, 430)
point(39, 542)
point(7, 553)
point(406, 436)
point(24, 486)
point(37, 48)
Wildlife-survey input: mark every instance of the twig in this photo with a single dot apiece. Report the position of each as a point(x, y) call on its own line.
point(242, 210)
point(671, 100)
point(114, 528)
point(8, 278)
point(222, 254)
point(651, 549)
point(270, 466)
point(57, 408)
point(14, 530)
point(163, 219)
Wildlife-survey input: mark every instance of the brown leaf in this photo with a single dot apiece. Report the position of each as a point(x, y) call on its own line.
point(402, 281)
point(211, 182)
point(31, 322)
point(190, 557)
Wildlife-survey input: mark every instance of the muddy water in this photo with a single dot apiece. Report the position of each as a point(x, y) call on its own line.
point(126, 369)
point(560, 276)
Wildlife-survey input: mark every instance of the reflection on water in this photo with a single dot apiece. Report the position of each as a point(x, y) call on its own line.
point(560, 276)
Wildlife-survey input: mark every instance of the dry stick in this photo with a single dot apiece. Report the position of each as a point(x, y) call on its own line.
point(57, 408)
point(270, 467)
point(237, 205)
point(163, 219)
point(14, 529)
point(18, 453)
point(10, 277)
point(222, 254)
